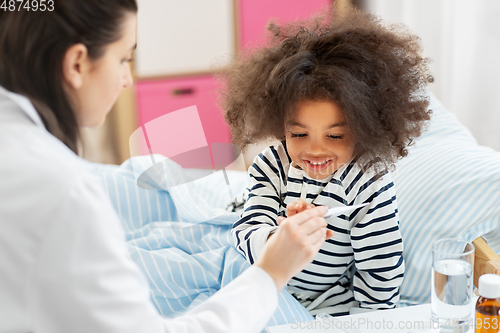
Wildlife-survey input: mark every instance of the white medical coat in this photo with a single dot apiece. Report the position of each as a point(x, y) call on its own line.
point(64, 265)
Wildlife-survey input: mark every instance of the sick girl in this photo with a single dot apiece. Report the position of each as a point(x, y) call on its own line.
point(344, 98)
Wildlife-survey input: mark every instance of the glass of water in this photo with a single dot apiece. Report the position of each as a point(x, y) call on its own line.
point(451, 290)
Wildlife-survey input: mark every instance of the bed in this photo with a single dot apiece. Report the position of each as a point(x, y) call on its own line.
point(178, 231)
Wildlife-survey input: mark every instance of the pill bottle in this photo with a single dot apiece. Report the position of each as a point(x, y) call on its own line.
point(488, 304)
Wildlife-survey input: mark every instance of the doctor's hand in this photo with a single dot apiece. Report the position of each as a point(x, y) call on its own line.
point(294, 245)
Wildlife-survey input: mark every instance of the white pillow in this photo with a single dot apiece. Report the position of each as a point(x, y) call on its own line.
point(448, 186)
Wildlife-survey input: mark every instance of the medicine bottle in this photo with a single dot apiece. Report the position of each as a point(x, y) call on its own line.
point(488, 304)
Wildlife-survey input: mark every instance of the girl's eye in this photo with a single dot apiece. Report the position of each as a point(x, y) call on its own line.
point(127, 60)
point(336, 137)
point(298, 135)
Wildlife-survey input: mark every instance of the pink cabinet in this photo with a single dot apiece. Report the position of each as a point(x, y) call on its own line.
point(180, 119)
point(255, 14)
point(156, 98)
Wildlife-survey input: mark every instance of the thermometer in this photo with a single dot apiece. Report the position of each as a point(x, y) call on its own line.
point(336, 211)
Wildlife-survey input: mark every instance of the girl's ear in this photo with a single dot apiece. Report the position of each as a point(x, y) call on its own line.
point(74, 65)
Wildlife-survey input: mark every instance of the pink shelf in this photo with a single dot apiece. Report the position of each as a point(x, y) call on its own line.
point(255, 14)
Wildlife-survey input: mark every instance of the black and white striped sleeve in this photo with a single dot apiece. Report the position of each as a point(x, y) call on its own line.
point(378, 247)
point(258, 219)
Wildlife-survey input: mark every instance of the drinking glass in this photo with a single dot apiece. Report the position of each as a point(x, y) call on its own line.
point(451, 289)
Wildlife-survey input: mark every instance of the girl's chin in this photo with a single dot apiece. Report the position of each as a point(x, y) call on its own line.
point(320, 175)
point(317, 176)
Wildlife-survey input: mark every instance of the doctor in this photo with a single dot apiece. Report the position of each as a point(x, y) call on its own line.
point(64, 266)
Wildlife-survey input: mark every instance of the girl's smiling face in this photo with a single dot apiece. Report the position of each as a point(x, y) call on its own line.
point(317, 138)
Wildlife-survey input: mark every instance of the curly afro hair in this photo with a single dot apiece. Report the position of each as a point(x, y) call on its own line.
point(375, 73)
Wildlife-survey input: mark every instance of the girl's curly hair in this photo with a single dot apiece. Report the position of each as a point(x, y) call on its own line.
point(373, 72)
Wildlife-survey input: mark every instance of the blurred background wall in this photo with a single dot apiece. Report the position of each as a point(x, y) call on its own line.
point(181, 42)
point(462, 37)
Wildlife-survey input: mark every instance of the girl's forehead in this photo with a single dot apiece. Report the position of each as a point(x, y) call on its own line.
point(306, 111)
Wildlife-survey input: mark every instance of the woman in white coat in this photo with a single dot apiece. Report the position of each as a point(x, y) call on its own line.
point(64, 266)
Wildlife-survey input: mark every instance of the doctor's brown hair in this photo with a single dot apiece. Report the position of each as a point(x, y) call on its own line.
point(373, 72)
point(33, 45)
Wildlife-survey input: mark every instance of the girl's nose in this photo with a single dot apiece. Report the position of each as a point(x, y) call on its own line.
point(317, 147)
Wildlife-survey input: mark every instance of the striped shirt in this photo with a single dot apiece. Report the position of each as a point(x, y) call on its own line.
point(361, 265)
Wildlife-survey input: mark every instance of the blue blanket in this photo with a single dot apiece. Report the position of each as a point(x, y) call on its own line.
point(178, 232)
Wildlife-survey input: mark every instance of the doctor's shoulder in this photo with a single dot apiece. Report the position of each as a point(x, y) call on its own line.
point(38, 171)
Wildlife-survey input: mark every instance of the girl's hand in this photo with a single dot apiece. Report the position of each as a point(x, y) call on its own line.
point(294, 245)
point(297, 207)
point(329, 233)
